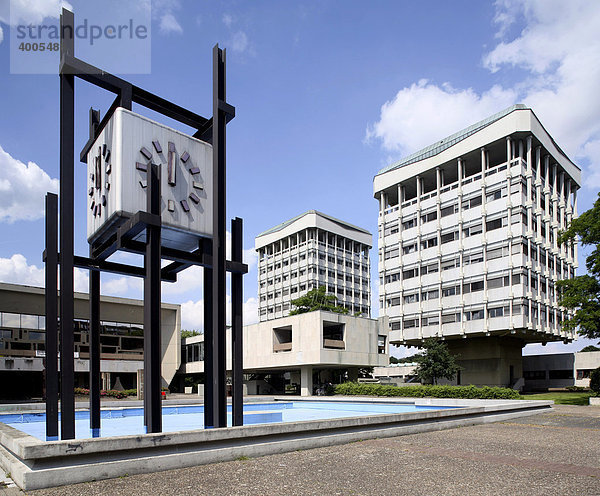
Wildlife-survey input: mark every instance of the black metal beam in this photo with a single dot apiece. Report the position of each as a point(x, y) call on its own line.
point(219, 236)
point(67, 157)
point(152, 354)
point(209, 355)
point(98, 129)
point(51, 295)
point(94, 333)
point(116, 268)
point(237, 357)
point(94, 325)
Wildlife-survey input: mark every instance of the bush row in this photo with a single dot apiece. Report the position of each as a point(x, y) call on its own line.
point(111, 393)
point(470, 392)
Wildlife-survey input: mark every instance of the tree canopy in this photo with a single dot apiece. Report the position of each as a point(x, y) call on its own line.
point(582, 293)
point(436, 362)
point(188, 334)
point(316, 299)
point(589, 347)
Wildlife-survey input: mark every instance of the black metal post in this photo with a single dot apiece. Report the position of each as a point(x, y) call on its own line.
point(67, 143)
point(152, 355)
point(94, 326)
point(94, 333)
point(219, 237)
point(237, 366)
point(51, 369)
point(209, 355)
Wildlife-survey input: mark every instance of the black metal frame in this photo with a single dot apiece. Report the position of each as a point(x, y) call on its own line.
point(210, 254)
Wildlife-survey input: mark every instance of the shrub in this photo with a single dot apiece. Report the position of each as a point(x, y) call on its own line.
point(110, 393)
point(595, 381)
point(468, 392)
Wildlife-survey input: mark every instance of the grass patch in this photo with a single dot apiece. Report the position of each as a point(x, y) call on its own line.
point(560, 398)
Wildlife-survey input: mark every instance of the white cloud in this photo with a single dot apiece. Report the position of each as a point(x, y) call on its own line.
point(1, 34)
point(239, 42)
point(16, 270)
point(164, 12)
point(22, 189)
point(411, 120)
point(227, 20)
point(556, 52)
point(192, 313)
point(30, 11)
point(168, 24)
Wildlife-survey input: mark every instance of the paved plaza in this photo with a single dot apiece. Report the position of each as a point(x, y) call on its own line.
point(553, 453)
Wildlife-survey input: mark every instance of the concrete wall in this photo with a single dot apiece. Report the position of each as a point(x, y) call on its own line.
point(360, 340)
point(31, 300)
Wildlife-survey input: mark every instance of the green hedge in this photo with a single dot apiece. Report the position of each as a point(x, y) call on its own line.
point(110, 393)
point(472, 392)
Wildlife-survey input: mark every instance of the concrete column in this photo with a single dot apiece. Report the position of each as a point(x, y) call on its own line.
point(520, 149)
point(483, 163)
point(508, 149)
point(353, 374)
point(575, 203)
point(529, 154)
point(306, 381)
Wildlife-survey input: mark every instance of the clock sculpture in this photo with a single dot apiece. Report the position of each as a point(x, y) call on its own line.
point(118, 163)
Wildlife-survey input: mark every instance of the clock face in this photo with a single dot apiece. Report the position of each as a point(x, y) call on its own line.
point(118, 166)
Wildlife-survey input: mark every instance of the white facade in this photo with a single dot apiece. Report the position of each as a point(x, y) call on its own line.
point(117, 179)
point(309, 251)
point(468, 234)
point(301, 344)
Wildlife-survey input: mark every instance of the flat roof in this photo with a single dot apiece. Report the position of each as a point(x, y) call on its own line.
point(283, 225)
point(440, 146)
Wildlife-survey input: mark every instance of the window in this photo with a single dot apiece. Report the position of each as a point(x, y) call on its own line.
point(473, 287)
point(409, 224)
point(493, 253)
point(413, 298)
point(392, 277)
point(431, 321)
point(473, 258)
point(474, 315)
point(391, 253)
point(434, 294)
point(452, 209)
point(410, 248)
point(410, 323)
point(393, 302)
point(472, 230)
point(491, 225)
point(496, 312)
point(390, 229)
point(429, 269)
point(448, 237)
point(450, 318)
point(431, 216)
point(410, 273)
point(471, 203)
point(429, 243)
point(449, 291)
point(495, 195)
point(450, 264)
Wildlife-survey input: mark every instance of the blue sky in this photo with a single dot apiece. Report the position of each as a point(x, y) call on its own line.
point(326, 94)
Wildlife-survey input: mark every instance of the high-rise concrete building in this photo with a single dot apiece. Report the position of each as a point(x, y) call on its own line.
point(308, 251)
point(468, 246)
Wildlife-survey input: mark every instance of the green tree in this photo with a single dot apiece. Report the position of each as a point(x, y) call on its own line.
point(436, 362)
point(317, 299)
point(595, 381)
point(188, 334)
point(589, 347)
point(582, 293)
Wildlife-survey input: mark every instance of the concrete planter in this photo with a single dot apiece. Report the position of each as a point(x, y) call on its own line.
point(595, 400)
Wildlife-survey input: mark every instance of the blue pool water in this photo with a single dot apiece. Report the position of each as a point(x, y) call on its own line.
point(128, 421)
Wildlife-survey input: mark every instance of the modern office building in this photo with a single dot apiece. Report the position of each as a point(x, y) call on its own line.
point(308, 251)
point(300, 352)
point(22, 341)
point(468, 248)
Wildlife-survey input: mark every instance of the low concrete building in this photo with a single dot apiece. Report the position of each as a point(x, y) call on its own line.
point(399, 373)
point(559, 370)
point(22, 341)
point(303, 350)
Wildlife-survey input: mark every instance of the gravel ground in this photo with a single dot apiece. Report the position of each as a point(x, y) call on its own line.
point(554, 453)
